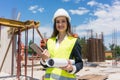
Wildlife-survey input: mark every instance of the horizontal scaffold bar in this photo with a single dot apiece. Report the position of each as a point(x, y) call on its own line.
point(19, 24)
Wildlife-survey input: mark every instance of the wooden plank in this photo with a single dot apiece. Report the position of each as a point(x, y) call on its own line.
point(86, 77)
point(18, 24)
point(11, 23)
point(93, 77)
point(99, 77)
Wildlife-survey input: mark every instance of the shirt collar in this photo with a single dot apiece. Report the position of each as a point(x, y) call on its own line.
point(64, 37)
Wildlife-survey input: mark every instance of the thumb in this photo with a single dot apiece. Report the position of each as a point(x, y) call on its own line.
point(69, 62)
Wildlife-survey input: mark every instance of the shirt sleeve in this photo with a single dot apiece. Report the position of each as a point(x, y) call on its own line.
point(43, 63)
point(74, 70)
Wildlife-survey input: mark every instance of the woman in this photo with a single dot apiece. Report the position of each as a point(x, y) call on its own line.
point(62, 45)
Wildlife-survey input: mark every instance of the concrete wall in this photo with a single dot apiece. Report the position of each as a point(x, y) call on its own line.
point(5, 39)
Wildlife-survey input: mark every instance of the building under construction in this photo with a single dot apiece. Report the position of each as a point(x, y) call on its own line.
point(95, 49)
point(10, 46)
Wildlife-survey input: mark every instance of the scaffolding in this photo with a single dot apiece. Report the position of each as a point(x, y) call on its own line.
point(16, 27)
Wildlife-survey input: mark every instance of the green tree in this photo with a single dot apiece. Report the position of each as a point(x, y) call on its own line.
point(83, 44)
point(111, 46)
point(115, 49)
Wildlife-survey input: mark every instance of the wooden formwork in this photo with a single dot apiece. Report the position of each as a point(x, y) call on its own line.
point(95, 50)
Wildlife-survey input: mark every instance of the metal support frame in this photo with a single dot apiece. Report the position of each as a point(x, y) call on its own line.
point(32, 54)
point(26, 51)
point(0, 35)
point(18, 55)
point(18, 27)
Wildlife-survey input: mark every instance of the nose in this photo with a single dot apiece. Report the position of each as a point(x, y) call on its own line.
point(60, 24)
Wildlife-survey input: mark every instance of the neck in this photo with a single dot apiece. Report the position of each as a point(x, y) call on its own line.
point(61, 36)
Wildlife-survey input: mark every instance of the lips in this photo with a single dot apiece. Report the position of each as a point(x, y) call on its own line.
point(61, 27)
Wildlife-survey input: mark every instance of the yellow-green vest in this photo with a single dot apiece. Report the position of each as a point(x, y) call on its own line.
point(64, 51)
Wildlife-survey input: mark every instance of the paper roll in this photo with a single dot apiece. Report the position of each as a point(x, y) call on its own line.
point(55, 62)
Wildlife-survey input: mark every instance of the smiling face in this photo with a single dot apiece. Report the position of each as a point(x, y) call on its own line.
point(61, 24)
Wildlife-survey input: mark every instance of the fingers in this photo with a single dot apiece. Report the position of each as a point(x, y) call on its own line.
point(45, 54)
point(69, 62)
point(69, 67)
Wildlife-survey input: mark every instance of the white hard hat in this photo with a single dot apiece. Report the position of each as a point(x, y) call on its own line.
point(61, 12)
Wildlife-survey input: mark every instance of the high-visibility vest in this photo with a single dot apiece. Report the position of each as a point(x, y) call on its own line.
point(63, 51)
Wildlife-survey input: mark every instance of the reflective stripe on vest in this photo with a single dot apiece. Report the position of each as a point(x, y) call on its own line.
point(57, 77)
point(63, 51)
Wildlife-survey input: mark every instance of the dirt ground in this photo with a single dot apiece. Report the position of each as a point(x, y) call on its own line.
point(107, 68)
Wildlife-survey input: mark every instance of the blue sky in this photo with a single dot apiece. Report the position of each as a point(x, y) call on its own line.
point(98, 15)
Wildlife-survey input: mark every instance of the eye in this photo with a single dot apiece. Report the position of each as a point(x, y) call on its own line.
point(63, 21)
point(57, 22)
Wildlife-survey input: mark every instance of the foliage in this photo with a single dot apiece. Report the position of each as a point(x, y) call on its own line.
point(83, 44)
point(115, 49)
point(111, 46)
point(109, 57)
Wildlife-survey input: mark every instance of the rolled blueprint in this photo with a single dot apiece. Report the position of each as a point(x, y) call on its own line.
point(55, 62)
